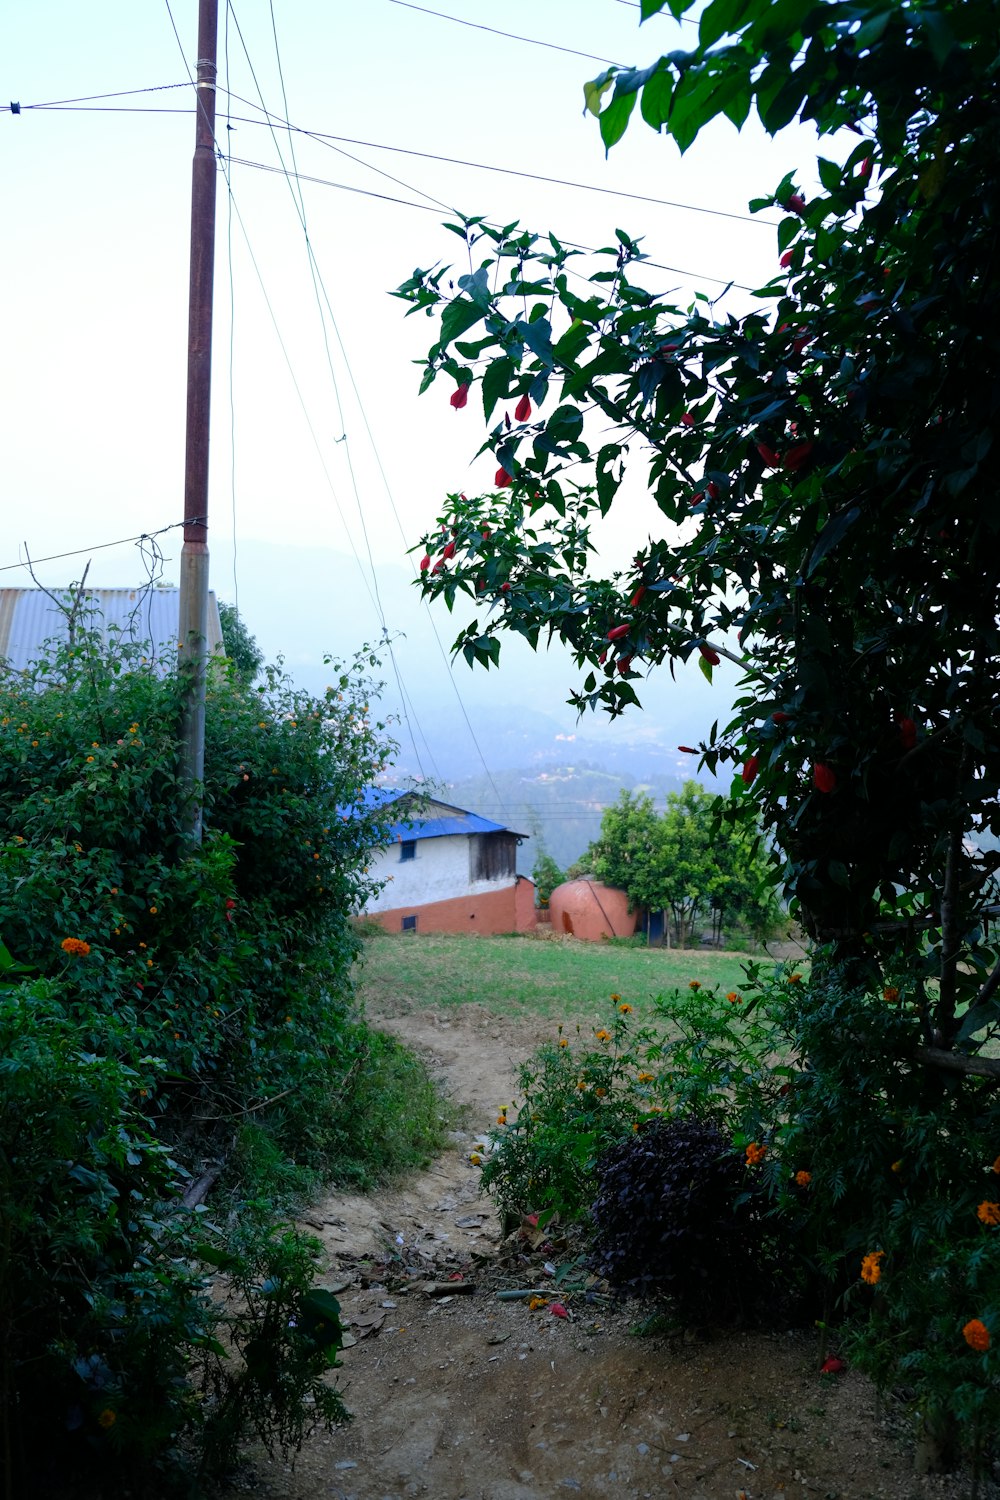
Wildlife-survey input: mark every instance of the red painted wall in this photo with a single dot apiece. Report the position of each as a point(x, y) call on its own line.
point(509, 910)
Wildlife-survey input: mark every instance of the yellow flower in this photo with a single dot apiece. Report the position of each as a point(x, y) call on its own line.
point(501, 1119)
point(603, 1035)
point(75, 946)
point(977, 1335)
point(536, 1302)
point(795, 979)
point(564, 1041)
point(475, 1158)
point(107, 1418)
point(871, 1271)
point(89, 759)
point(988, 1213)
point(601, 1093)
point(803, 1179)
point(645, 1077)
point(625, 1009)
point(616, 998)
point(755, 1154)
point(581, 1083)
point(897, 1166)
point(152, 911)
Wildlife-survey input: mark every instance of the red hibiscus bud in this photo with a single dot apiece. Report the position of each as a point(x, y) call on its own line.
point(688, 750)
point(502, 478)
point(832, 1366)
point(712, 657)
point(786, 261)
point(698, 497)
point(486, 533)
point(230, 904)
point(637, 596)
point(425, 563)
point(687, 420)
point(796, 458)
point(865, 169)
point(624, 662)
point(750, 768)
point(771, 459)
point(780, 718)
point(522, 411)
point(505, 588)
point(480, 585)
point(824, 779)
point(907, 732)
point(713, 490)
point(603, 657)
point(448, 551)
point(460, 397)
point(796, 204)
point(616, 632)
point(438, 565)
point(800, 343)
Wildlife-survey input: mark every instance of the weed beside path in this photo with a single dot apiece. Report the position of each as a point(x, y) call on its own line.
point(561, 978)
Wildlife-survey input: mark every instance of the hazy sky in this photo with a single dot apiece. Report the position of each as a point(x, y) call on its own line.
point(95, 258)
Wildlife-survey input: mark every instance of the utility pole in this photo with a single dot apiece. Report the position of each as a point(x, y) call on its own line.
point(193, 607)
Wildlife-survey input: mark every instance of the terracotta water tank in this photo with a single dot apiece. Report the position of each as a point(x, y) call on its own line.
point(591, 911)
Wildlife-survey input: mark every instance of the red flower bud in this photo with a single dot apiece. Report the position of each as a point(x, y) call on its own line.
point(698, 497)
point(796, 204)
point(800, 343)
point(713, 490)
point(832, 1366)
point(486, 533)
point(230, 904)
point(750, 768)
point(786, 261)
point(824, 779)
point(687, 420)
point(624, 662)
point(865, 169)
point(505, 588)
point(688, 750)
point(425, 563)
point(502, 478)
point(522, 411)
point(780, 718)
point(712, 657)
point(438, 565)
point(460, 397)
point(448, 551)
point(637, 596)
point(603, 657)
point(771, 459)
point(907, 732)
point(796, 458)
point(616, 632)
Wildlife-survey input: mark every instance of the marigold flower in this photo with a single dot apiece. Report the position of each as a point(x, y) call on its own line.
point(996, 1166)
point(475, 1158)
point(616, 998)
point(89, 759)
point(625, 1009)
point(694, 984)
point(645, 1077)
point(871, 1271)
point(988, 1213)
point(890, 994)
point(75, 946)
point(897, 1166)
point(564, 1041)
point(107, 1418)
point(977, 1335)
point(601, 1093)
point(734, 997)
point(603, 1035)
point(755, 1154)
point(152, 911)
point(795, 979)
point(803, 1179)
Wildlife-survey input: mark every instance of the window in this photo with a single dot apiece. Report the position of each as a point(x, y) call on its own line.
point(408, 849)
point(409, 924)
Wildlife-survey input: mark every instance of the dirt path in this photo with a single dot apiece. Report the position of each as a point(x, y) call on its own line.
point(465, 1396)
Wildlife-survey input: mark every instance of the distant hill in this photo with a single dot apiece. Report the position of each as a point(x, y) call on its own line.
point(559, 807)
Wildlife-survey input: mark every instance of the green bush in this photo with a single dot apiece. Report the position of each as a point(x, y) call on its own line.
point(164, 999)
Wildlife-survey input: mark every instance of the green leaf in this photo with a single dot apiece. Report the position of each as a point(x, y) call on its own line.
point(833, 532)
point(614, 120)
point(496, 383)
point(457, 317)
point(593, 92)
point(654, 103)
point(705, 667)
point(720, 18)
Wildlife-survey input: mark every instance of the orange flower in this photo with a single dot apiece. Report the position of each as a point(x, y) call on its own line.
point(645, 1077)
point(75, 946)
point(755, 1154)
point(603, 1035)
point(795, 979)
point(564, 1041)
point(996, 1166)
point(988, 1213)
point(694, 984)
point(107, 1418)
point(625, 1009)
point(616, 998)
point(600, 1093)
point(897, 1166)
point(871, 1271)
point(803, 1179)
point(734, 997)
point(977, 1335)
point(890, 994)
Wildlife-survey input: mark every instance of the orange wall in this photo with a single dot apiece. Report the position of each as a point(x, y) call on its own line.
point(591, 911)
point(509, 910)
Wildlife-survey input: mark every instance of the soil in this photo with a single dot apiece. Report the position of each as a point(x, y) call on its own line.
point(461, 1394)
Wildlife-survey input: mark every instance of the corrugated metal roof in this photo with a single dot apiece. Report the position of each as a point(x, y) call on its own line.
point(451, 820)
point(30, 617)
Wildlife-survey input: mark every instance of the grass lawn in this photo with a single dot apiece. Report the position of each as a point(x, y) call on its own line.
point(540, 977)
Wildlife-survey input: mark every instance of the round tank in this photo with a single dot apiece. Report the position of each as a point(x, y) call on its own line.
point(591, 911)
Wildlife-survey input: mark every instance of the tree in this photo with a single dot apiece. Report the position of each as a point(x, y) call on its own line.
point(241, 647)
point(822, 465)
point(547, 875)
point(684, 862)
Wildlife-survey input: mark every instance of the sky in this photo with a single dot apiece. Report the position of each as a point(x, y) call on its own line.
point(326, 466)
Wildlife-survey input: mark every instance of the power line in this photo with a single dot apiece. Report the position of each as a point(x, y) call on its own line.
point(144, 536)
point(89, 98)
point(510, 35)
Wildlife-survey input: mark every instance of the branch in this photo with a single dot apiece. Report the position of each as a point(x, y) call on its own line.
point(959, 1062)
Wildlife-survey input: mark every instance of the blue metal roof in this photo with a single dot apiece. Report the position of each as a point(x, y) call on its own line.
point(457, 820)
